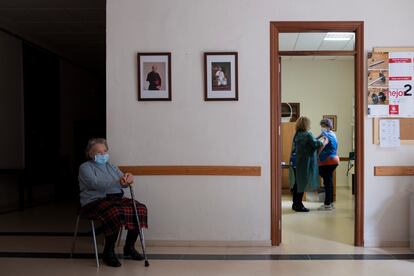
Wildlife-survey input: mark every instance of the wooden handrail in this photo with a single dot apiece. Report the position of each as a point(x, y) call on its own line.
point(394, 170)
point(193, 170)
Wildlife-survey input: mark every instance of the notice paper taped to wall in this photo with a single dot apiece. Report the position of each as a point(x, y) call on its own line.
point(390, 84)
point(389, 133)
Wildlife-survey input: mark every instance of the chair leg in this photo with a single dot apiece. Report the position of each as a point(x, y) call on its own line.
point(75, 234)
point(94, 244)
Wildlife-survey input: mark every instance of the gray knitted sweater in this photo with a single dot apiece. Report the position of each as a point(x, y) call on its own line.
point(98, 180)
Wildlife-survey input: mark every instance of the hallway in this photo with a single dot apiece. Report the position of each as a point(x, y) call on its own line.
point(316, 230)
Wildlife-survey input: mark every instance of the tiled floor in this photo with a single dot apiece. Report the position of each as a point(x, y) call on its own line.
point(63, 267)
point(320, 232)
point(315, 243)
point(57, 217)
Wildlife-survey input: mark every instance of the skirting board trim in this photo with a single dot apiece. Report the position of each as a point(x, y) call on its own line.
point(379, 244)
point(195, 243)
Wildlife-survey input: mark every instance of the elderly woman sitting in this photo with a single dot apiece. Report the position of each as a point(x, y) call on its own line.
point(102, 198)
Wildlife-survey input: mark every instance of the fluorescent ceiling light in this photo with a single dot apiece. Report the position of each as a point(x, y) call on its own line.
point(339, 36)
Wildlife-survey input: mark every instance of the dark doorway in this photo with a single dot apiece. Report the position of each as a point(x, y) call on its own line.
point(62, 110)
point(41, 109)
point(54, 78)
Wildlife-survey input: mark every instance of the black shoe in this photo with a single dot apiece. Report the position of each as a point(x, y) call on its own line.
point(301, 209)
point(133, 253)
point(110, 259)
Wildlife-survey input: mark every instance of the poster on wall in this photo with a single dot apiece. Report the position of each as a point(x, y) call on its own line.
point(390, 84)
point(389, 133)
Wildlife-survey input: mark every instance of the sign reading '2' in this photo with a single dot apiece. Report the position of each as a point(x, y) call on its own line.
point(390, 84)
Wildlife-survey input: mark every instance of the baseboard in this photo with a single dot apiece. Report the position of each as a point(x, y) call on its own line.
point(343, 188)
point(376, 243)
point(200, 243)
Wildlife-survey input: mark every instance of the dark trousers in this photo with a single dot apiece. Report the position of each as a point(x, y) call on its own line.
point(326, 172)
point(110, 241)
point(296, 197)
point(131, 238)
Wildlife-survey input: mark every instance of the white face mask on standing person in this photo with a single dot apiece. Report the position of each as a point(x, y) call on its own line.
point(324, 129)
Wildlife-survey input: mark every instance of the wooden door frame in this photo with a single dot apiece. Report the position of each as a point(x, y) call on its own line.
point(275, 113)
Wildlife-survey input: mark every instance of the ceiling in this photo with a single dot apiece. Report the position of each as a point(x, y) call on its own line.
point(73, 29)
point(314, 42)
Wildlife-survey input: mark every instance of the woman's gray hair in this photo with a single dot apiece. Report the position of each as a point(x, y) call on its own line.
point(91, 143)
point(327, 123)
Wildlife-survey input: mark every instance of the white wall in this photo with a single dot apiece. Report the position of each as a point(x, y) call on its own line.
point(323, 87)
point(191, 131)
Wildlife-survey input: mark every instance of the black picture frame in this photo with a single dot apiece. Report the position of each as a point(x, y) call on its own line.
point(159, 87)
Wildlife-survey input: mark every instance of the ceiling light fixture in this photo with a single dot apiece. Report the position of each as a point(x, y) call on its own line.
point(339, 36)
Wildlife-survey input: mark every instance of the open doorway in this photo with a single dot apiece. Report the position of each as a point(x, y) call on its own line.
point(354, 55)
point(319, 87)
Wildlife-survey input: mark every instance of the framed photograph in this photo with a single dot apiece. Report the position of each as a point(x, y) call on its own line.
point(333, 120)
point(220, 76)
point(154, 76)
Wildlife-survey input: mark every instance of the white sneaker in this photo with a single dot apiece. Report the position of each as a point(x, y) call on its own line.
point(324, 207)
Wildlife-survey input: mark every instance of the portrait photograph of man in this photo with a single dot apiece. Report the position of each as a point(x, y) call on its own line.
point(154, 75)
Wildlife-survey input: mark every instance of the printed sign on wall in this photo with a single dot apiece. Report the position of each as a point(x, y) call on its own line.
point(390, 84)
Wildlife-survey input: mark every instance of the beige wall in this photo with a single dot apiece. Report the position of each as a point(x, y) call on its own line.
point(190, 131)
point(323, 87)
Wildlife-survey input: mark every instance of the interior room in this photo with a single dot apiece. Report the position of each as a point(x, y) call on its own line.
point(189, 108)
point(319, 86)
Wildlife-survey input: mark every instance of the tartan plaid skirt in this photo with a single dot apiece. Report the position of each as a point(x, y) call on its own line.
point(115, 212)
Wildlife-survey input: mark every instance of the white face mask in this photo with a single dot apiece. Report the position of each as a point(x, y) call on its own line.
point(324, 129)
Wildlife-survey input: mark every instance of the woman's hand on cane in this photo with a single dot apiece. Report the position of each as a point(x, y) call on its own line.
point(129, 178)
point(126, 179)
